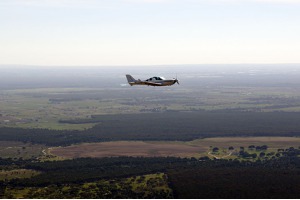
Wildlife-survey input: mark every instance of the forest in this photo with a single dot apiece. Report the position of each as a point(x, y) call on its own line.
point(181, 126)
point(188, 177)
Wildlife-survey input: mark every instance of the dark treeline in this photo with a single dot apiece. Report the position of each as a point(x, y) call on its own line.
point(235, 183)
point(90, 169)
point(181, 126)
point(222, 179)
point(189, 178)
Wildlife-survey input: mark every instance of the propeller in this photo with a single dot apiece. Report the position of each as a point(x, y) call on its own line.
point(176, 80)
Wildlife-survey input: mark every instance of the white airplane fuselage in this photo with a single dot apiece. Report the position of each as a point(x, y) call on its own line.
point(154, 81)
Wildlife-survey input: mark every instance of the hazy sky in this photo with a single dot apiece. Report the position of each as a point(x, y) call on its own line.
point(148, 32)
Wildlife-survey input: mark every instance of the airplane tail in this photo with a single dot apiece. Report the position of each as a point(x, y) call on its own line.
point(130, 79)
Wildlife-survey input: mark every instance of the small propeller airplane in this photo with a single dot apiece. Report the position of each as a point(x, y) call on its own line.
point(154, 81)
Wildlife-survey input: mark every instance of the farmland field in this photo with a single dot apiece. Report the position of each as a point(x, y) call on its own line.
point(128, 148)
point(193, 148)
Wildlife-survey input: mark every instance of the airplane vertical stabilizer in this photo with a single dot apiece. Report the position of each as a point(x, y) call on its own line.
point(130, 79)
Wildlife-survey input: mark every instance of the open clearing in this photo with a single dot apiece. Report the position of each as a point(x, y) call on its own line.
point(127, 148)
point(194, 148)
point(10, 149)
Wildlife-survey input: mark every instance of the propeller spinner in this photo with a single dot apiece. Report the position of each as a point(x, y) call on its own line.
point(176, 80)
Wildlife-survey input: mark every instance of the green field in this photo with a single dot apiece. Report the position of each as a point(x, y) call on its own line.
point(44, 107)
point(146, 186)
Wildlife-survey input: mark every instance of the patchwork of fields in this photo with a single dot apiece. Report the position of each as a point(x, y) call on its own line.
point(218, 134)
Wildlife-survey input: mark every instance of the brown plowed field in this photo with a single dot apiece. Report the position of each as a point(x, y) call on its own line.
point(194, 148)
point(127, 148)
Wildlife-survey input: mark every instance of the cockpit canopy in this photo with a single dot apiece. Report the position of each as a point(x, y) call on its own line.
point(156, 78)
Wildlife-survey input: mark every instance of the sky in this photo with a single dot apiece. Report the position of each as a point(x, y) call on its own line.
point(149, 32)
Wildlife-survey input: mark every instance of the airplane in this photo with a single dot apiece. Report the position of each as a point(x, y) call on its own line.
point(154, 81)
